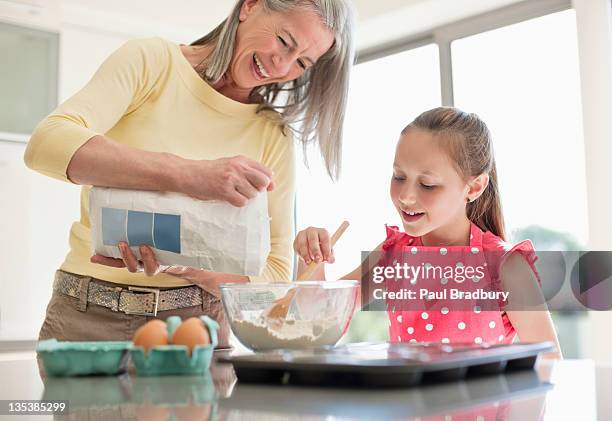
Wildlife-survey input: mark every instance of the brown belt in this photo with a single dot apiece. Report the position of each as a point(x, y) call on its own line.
point(130, 300)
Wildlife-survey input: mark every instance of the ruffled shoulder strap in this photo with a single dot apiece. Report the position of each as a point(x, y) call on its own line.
point(396, 238)
point(498, 250)
point(493, 243)
point(526, 249)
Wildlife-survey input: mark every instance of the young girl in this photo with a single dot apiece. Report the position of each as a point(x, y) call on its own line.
point(444, 187)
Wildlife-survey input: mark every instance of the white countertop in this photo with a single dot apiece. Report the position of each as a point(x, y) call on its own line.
point(570, 389)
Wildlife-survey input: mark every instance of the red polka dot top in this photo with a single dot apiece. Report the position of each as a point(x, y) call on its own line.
point(445, 320)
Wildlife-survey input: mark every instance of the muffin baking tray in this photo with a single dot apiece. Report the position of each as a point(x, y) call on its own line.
point(384, 364)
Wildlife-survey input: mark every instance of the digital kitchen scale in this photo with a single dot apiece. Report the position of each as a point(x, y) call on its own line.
point(384, 364)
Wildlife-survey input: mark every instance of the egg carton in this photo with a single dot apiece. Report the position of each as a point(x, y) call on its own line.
point(175, 359)
point(87, 358)
point(68, 358)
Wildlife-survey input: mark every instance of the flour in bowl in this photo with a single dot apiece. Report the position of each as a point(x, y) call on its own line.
point(293, 334)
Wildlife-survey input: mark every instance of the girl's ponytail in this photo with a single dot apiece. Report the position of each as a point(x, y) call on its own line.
point(486, 211)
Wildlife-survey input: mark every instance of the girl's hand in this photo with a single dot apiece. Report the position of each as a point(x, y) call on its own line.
point(313, 244)
point(235, 180)
point(150, 266)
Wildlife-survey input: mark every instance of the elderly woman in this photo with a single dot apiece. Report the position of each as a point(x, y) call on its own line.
point(212, 120)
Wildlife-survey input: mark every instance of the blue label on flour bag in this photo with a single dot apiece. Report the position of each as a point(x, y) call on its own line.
point(167, 232)
point(159, 230)
point(140, 228)
point(113, 226)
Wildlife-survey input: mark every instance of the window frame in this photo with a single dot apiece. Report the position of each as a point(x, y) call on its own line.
point(444, 35)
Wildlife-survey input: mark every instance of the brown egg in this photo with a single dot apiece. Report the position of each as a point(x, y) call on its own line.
point(191, 332)
point(151, 412)
point(193, 412)
point(151, 334)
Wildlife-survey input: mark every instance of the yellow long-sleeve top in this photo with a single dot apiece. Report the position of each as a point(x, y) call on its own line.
point(148, 96)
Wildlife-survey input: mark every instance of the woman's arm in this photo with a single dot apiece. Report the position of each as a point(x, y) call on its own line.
point(530, 316)
point(104, 162)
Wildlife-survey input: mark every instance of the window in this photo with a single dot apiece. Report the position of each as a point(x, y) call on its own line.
point(524, 81)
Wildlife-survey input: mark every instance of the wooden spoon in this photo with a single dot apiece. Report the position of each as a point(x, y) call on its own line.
point(279, 308)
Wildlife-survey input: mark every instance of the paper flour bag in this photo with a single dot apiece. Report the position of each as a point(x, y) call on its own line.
point(211, 235)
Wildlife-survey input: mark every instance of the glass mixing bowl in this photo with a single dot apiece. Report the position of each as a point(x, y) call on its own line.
point(319, 313)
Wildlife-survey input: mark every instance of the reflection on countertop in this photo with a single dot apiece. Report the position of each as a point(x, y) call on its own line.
point(555, 390)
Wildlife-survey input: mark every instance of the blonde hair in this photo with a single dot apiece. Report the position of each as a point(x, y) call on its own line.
point(314, 105)
point(467, 140)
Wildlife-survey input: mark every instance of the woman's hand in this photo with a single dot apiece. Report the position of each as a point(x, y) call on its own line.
point(235, 180)
point(206, 280)
point(313, 244)
point(148, 264)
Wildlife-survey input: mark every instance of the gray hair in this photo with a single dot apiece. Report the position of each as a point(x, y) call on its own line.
point(313, 106)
